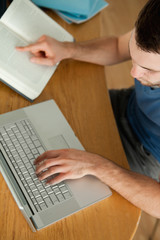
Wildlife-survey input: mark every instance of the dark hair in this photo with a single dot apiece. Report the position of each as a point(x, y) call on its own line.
point(147, 27)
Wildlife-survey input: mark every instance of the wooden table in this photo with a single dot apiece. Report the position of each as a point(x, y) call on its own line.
point(80, 91)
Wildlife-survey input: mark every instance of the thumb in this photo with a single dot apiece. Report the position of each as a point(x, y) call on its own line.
point(43, 61)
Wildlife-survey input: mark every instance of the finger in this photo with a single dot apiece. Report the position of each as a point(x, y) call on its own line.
point(47, 164)
point(57, 179)
point(50, 171)
point(34, 52)
point(25, 49)
point(47, 155)
point(32, 47)
point(43, 61)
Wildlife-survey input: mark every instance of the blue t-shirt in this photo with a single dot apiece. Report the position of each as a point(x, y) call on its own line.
point(143, 112)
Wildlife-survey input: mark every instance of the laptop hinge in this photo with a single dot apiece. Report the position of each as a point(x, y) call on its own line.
point(16, 193)
point(29, 220)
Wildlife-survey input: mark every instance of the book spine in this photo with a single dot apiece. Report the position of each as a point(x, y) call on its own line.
point(14, 89)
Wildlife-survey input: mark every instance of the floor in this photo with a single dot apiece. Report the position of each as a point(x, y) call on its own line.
point(118, 18)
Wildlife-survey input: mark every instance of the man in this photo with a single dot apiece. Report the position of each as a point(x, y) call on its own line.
point(137, 113)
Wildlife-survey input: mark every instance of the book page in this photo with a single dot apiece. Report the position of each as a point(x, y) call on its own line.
point(15, 63)
point(29, 21)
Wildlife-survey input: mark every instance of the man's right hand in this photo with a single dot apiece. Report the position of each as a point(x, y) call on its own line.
point(47, 51)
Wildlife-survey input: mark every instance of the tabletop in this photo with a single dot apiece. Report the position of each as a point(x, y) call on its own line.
point(80, 91)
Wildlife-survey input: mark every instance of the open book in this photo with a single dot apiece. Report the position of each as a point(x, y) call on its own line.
point(23, 23)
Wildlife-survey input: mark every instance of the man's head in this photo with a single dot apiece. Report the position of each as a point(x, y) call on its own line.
point(145, 45)
point(147, 27)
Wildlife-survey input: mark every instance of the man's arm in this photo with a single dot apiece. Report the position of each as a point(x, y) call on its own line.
point(103, 51)
point(140, 190)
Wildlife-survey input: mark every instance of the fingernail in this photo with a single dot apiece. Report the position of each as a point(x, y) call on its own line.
point(32, 60)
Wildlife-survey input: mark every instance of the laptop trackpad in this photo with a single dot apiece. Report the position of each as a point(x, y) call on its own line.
point(58, 142)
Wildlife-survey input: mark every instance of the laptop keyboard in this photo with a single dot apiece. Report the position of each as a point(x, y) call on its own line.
point(22, 147)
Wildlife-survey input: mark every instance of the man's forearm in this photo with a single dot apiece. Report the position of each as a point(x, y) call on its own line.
point(104, 51)
point(140, 190)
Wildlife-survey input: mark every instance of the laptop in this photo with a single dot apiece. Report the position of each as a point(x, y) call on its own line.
point(25, 134)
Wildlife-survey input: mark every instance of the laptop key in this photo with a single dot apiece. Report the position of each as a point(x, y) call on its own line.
point(33, 188)
point(19, 148)
point(25, 159)
point(56, 190)
point(31, 146)
point(63, 189)
point(37, 143)
point(30, 182)
point(2, 131)
point(43, 206)
point(34, 201)
point(15, 129)
point(6, 137)
point(37, 208)
point(44, 194)
point(40, 150)
point(9, 143)
point(22, 154)
point(28, 165)
point(49, 190)
point(27, 150)
point(48, 202)
point(60, 197)
point(30, 156)
point(34, 150)
point(40, 188)
point(67, 195)
point(34, 137)
point(16, 143)
point(54, 198)
point(31, 171)
point(36, 194)
point(21, 140)
point(27, 176)
point(39, 200)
